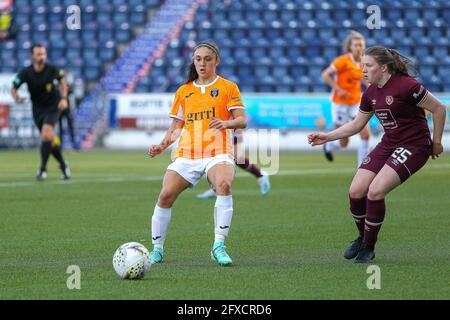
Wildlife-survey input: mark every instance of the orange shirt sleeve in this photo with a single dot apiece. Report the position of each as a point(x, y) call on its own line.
point(234, 98)
point(339, 64)
point(177, 110)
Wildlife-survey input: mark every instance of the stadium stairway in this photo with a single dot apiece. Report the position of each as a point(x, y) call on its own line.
point(134, 64)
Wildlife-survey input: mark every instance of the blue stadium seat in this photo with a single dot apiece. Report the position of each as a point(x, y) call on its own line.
point(283, 88)
point(266, 88)
point(261, 72)
point(287, 15)
point(122, 35)
point(320, 88)
point(421, 51)
point(444, 72)
point(91, 73)
point(341, 14)
point(411, 14)
point(247, 88)
point(440, 51)
point(298, 37)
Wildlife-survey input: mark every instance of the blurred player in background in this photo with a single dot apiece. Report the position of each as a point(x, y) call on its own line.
point(399, 102)
point(42, 80)
point(346, 94)
point(67, 113)
point(244, 163)
point(208, 107)
point(8, 26)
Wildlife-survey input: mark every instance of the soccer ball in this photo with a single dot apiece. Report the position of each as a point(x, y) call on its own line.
point(131, 261)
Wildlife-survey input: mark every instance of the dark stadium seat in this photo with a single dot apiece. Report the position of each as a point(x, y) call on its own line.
point(298, 37)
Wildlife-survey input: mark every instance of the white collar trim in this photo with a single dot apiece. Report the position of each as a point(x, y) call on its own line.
point(203, 86)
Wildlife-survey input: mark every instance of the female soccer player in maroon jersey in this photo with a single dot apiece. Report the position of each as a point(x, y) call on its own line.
point(399, 102)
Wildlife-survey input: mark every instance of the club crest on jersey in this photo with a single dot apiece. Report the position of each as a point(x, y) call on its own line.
point(389, 100)
point(49, 87)
point(214, 93)
point(366, 160)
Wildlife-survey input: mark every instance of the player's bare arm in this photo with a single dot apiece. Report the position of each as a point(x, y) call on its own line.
point(239, 121)
point(171, 136)
point(437, 109)
point(63, 91)
point(327, 76)
point(347, 130)
point(16, 97)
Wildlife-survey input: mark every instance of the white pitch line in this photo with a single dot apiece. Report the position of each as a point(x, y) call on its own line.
point(18, 184)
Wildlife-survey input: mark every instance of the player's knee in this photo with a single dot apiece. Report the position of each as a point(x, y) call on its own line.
point(376, 192)
point(166, 199)
point(223, 187)
point(357, 193)
point(47, 135)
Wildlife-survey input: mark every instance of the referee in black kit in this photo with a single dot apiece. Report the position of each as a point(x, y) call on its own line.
point(42, 80)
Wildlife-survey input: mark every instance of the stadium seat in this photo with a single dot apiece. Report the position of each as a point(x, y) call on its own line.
point(299, 37)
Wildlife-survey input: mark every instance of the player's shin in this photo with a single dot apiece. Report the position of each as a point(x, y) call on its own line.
point(223, 213)
point(376, 210)
point(160, 223)
point(46, 149)
point(56, 152)
point(358, 210)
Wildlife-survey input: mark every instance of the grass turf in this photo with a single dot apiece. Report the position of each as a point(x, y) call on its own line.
point(287, 245)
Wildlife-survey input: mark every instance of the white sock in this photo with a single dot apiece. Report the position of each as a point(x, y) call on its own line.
point(160, 222)
point(223, 212)
point(333, 145)
point(362, 151)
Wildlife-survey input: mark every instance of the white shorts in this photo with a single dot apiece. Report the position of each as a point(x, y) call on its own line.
point(342, 113)
point(192, 170)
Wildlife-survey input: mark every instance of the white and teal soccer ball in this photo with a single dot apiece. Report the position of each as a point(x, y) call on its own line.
point(131, 261)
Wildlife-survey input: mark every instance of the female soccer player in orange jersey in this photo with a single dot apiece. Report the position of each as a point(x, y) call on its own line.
point(205, 111)
point(346, 94)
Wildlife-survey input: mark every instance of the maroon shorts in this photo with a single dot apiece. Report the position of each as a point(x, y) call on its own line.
point(405, 160)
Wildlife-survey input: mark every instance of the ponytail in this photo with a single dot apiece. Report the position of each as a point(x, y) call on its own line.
point(192, 72)
point(395, 61)
point(400, 63)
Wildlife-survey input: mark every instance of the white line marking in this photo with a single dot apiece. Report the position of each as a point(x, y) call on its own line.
point(18, 184)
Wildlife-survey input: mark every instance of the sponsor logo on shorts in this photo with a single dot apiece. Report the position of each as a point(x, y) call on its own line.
point(389, 100)
point(366, 160)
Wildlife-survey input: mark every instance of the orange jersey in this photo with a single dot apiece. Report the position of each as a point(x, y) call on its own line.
point(196, 105)
point(348, 77)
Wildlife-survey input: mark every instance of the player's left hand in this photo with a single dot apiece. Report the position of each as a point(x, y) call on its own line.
point(218, 124)
point(437, 150)
point(62, 105)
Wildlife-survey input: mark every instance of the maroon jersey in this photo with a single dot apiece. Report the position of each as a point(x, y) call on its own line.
point(395, 105)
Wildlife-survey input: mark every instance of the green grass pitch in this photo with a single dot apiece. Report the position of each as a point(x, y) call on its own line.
point(287, 245)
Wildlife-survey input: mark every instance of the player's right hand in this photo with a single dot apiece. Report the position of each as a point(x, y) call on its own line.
point(437, 150)
point(317, 138)
point(155, 150)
